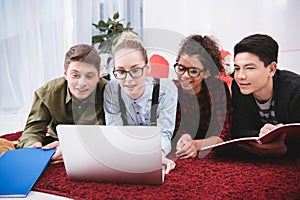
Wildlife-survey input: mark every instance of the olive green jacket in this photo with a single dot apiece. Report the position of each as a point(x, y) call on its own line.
point(53, 105)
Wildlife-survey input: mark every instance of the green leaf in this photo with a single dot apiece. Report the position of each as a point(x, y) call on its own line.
point(97, 39)
point(116, 15)
point(119, 28)
point(101, 23)
point(109, 30)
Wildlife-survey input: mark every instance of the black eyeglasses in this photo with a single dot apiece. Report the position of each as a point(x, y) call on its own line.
point(134, 73)
point(193, 72)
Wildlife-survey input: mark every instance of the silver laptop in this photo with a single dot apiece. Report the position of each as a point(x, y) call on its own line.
point(122, 154)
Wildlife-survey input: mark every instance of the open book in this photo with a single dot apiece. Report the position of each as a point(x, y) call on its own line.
point(292, 130)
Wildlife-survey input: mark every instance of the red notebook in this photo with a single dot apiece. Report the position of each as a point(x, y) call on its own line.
point(292, 130)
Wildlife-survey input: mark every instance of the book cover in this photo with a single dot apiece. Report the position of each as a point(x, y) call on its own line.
point(20, 169)
point(292, 130)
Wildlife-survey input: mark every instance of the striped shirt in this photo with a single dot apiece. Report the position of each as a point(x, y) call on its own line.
point(267, 112)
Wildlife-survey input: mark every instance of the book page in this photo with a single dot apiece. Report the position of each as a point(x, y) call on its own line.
point(292, 133)
point(231, 142)
point(292, 130)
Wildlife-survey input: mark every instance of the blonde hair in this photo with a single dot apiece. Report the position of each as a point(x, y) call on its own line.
point(128, 40)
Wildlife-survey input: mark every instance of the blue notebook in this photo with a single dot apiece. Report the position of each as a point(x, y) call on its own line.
point(20, 169)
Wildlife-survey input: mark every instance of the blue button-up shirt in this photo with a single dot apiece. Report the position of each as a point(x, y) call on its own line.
point(138, 111)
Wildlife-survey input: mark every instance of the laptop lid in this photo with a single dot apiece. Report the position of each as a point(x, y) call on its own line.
point(123, 154)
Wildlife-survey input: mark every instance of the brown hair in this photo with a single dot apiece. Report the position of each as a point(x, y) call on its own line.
point(83, 53)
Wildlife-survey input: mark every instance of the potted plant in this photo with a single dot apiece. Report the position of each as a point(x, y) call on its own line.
point(109, 30)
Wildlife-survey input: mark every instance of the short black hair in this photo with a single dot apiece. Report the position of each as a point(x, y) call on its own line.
point(264, 46)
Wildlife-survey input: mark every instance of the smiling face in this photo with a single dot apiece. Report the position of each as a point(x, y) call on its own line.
point(129, 59)
point(82, 79)
point(253, 77)
point(188, 83)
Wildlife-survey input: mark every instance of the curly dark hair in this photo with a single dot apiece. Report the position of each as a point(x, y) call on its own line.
point(206, 49)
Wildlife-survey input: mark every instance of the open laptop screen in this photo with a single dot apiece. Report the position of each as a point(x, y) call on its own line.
point(123, 154)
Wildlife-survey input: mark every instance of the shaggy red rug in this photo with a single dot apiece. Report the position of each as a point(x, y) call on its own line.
point(226, 175)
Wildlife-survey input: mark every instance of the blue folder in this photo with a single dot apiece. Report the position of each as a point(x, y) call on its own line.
point(20, 169)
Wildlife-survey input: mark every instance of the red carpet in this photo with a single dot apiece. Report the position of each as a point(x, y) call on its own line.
point(231, 175)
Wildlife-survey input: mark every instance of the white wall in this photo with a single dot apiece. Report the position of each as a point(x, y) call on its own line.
point(231, 20)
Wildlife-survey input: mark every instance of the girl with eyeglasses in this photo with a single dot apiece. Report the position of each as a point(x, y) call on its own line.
point(204, 110)
point(134, 99)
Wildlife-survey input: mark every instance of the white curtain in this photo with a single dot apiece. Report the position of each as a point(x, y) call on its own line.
point(34, 36)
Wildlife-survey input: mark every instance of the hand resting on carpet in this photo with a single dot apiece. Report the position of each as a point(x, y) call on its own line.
point(185, 147)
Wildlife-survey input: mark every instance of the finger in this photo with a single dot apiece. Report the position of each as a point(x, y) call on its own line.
point(56, 161)
point(182, 152)
point(190, 155)
point(36, 145)
point(51, 145)
point(183, 140)
point(183, 149)
point(278, 125)
point(266, 128)
point(269, 126)
point(187, 145)
point(56, 155)
point(179, 145)
point(57, 158)
point(179, 153)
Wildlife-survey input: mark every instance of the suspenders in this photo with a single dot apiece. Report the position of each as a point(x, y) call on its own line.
point(154, 104)
point(122, 107)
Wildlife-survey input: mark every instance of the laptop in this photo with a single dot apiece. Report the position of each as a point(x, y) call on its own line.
point(120, 154)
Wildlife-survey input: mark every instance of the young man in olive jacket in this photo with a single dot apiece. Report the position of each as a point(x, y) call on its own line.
point(76, 98)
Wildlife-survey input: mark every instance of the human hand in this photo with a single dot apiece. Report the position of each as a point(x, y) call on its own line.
point(275, 148)
point(57, 157)
point(268, 127)
point(36, 145)
point(168, 164)
point(186, 147)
